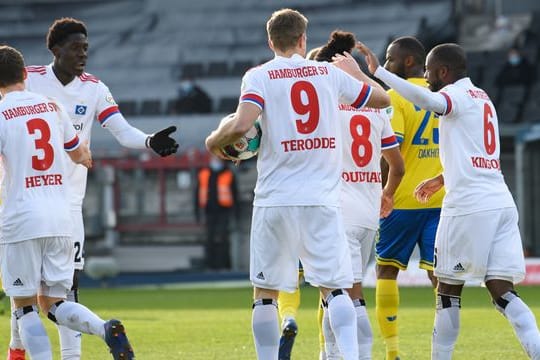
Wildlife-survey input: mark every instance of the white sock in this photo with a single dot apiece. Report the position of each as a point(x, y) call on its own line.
point(523, 322)
point(70, 340)
point(265, 327)
point(15, 341)
point(365, 335)
point(446, 327)
point(33, 335)
point(79, 318)
point(330, 344)
point(343, 323)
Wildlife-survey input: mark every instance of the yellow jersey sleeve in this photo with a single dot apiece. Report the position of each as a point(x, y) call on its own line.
point(418, 132)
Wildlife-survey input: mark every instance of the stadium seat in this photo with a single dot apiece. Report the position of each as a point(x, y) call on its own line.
point(192, 70)
point(217, 69)
point(239, 67)
point(227, 104)
point(128, 107)
point(150, 107)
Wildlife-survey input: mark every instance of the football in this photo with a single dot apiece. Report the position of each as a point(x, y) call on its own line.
point(247, 146)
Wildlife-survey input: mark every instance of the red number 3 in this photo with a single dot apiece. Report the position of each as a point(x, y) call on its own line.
point(361, 140)
point(311, 107)
point(490, 141)
point(42, 143)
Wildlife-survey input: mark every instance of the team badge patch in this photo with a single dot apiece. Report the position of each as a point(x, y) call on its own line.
point(110, 99)
point(80, 109)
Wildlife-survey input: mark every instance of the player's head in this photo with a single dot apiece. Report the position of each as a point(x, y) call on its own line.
point(286, 30)
point(405, 57)
point(339, 42)
point(445, 64)
point(12, 69)
point(313, 53)
point(67, 39)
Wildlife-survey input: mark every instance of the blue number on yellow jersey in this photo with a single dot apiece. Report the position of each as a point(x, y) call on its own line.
point(417, 131)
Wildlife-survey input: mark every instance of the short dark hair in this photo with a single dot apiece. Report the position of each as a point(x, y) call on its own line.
point(411, 46)
point(339, 42)
point(451, 55)
point(11, 66)
point(62, 28)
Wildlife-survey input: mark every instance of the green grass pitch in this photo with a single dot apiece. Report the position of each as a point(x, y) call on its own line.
point(215, 324)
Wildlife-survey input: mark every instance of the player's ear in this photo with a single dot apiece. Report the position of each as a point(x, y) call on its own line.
point(409, 61)
point(25, 74)
point(270, 44)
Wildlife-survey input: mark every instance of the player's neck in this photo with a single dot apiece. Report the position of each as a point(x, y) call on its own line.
point(62, 76)
point(289, 53)
point(10, 88)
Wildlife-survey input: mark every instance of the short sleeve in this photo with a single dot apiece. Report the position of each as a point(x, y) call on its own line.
point(251, 90)
point(106, 106)
point(351, 91)
point(388, 137)
point(71, 140)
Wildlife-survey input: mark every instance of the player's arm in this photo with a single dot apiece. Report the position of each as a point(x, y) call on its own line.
point(131, 137)
point(396, 170)
point(419, 95)
point(427, 188)
point(378, 98)
point(229, 132)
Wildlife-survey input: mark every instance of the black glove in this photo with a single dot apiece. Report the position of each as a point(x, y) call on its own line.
point(162, 143)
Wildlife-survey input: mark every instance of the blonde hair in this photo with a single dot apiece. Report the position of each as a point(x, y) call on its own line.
point(285, 27)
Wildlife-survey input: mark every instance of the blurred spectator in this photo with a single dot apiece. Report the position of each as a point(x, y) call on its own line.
point(217, 196)
point(516, 71)
point(192, 98)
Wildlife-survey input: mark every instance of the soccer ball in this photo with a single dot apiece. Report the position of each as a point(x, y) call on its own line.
point(247, 146)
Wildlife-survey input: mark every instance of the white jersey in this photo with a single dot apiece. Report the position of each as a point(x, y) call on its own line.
point(85, 99)
point(299, 160)
point(34, 131)
point(366, 132)
point(469, 151)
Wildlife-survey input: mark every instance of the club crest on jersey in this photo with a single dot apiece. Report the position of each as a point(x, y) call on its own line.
point(80, 109)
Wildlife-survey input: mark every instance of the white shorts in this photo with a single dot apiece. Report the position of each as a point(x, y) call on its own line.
point(39, 266)
point(282, 235)
point(361, 241)
point(480, 245)
point(78, 237)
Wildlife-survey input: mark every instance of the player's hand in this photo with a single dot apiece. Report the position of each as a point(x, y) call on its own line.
point(162, 143)
point(387, 205)
point(371, 59)
point(427, 188)
point(346, 63)
point(85, 157)
point(216, 150)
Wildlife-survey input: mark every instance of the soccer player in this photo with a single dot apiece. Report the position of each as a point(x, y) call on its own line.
point(367, 134)
point(478, 236)
point(86, 99)
point(411, 223)
point(36, 249)
point(296, 213)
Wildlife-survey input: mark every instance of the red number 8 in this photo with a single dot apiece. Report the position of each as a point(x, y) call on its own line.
point(361, 140)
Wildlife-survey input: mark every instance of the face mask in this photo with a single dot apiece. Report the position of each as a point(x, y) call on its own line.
point(186, 86)
point(216, 165)
point(514, 59)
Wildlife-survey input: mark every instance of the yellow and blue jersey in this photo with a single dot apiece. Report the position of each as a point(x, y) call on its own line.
point(417, 131)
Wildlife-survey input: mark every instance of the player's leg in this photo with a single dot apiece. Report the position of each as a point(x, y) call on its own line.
point(426, 243)
point(398, 236)
point(520, 316)
point(447, 319)
point(16, 349)
point(21, 275)
point(327, 263)
point(506, 266)
point(57, 270)
point(273, 267)
point(70, 340)
point(288, 304)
